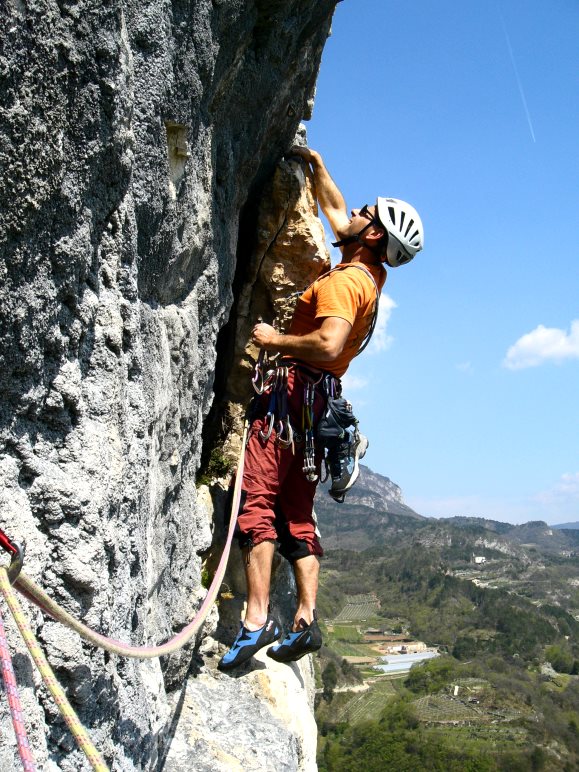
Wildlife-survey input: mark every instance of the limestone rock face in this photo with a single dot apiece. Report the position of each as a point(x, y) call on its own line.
point(289, 254)
point(259, 721)
point(135, 142)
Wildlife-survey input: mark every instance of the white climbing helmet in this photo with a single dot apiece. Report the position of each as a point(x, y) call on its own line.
point(405, 230)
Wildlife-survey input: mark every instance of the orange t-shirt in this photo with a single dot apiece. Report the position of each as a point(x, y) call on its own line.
point(345, 292)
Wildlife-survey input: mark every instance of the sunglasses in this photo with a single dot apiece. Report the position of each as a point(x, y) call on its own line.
point(365, 212)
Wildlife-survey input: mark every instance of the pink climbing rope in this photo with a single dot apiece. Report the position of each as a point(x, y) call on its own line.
point(36, 594)
point(11, 690)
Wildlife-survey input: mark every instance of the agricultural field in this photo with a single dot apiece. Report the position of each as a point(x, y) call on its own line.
point(442, 708)
point(502, 695)
point(367, 705)
point(359, 608)
point(346, 640)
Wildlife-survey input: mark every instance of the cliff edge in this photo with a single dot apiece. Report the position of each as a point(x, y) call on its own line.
point(136, 140)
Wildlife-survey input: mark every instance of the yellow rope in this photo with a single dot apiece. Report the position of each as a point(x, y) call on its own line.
point(79, 732)
point(35, 594)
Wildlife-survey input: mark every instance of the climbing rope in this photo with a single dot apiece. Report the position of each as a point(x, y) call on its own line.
point(36, 595)
point(14, 576)
point(11, 690)
point(79, 732)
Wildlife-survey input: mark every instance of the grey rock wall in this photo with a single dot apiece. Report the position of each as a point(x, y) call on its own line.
point(135, 139)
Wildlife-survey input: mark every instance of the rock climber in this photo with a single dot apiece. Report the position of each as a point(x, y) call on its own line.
point(332, 318)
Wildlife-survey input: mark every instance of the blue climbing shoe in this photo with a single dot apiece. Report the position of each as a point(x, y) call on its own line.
point(250, 641)
point(296, 645)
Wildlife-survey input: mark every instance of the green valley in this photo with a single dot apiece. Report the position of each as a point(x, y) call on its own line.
point(498, 603)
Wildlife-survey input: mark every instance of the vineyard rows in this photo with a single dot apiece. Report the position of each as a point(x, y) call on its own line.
point(367, 705)
point(353, 612)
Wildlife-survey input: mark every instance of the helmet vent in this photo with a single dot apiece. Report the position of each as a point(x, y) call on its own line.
point(410, 224)
point(392, 213)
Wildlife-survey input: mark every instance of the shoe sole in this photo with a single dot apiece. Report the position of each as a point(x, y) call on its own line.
point(285, 660)
point(289, 654)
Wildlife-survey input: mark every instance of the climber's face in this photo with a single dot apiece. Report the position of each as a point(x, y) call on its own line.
point(359, 220)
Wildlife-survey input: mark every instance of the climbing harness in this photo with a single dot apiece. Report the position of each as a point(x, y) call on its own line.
point(26, 587)
point(275, 383)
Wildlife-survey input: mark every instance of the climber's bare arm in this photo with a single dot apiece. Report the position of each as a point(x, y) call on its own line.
point(329, 196)
point(324, 344)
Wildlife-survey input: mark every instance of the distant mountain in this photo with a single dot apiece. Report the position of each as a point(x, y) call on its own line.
point(375, 514)
point(374, 509)
point(536, 533)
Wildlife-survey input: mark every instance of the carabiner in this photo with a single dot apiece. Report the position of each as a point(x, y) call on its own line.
point(267, 434)
point(16, 552)
point(258, 380)
point(16, 562)
point(284, 427)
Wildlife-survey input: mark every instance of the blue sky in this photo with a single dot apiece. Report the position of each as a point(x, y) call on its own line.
point(470, 111)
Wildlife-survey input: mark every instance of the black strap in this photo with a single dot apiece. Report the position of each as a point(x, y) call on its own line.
point(356, 237)
point(361, 267)
point(372, 327)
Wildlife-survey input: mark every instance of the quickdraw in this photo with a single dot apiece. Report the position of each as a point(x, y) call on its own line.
point(277, 415)
point(277, 410)
point(285, 435)
point(259, 377)
point(308, 430)
point(269, 419)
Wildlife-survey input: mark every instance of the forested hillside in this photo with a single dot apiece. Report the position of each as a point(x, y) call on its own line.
point(500, 605)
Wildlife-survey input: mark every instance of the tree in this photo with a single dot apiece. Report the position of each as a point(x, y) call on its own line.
point(329, 680)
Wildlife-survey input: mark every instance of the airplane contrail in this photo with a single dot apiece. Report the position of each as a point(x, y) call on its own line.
point(519, 84)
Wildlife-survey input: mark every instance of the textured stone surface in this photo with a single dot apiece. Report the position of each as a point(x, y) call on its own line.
point(289, 254)
point(256, 720)
point(135, 140)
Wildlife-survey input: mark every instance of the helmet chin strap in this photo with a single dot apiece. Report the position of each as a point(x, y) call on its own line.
point(356, 239)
